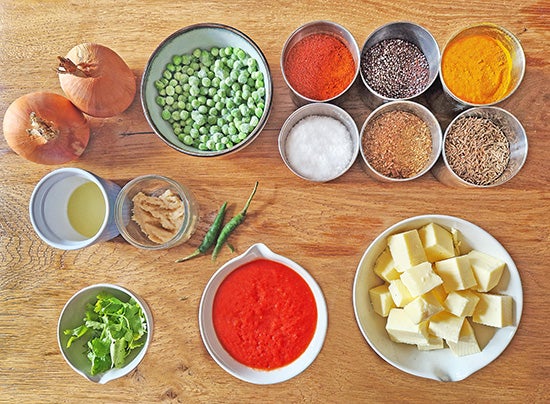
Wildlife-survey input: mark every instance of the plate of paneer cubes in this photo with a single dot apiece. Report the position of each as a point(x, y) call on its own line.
point(438, 297)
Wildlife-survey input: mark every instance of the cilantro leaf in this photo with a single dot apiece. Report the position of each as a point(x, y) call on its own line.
point(114, 328)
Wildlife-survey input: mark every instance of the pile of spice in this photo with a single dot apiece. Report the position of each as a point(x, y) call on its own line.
point(395, 68)
point(477, 150)
point(319, 66)
point(397, 144)
point(319, 147)
point(477, 69)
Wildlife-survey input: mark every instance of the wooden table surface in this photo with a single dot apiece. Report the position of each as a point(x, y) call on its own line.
point(324, 227)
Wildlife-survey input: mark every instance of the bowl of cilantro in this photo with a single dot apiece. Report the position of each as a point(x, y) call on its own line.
point(104, 331)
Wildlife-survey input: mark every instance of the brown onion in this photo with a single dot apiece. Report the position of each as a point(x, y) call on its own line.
point(97, 80)
point(46, 128)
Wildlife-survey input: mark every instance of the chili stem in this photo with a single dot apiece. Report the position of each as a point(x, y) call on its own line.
point(232, 225)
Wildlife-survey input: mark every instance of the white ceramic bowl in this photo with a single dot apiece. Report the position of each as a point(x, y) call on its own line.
point(223, 358)
point(441, 364)
point(184, 41)
point(72, 315)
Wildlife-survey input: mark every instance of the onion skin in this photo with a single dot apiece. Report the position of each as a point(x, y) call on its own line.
point(60, 132)
point(97, 80)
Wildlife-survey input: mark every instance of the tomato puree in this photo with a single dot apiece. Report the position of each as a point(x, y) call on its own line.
point(264, 314)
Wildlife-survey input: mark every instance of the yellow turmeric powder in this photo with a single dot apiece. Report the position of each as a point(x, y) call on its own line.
point(477, 69)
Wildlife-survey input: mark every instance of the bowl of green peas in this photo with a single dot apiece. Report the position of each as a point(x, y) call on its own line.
point(207, 90)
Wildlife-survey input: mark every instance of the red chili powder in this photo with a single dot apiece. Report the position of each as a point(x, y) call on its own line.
point(319, 66)
point(264, 314)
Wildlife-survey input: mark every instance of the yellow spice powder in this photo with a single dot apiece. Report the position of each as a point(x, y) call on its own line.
point(477, 69)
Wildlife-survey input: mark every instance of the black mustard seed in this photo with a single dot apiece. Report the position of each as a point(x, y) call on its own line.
point(395, 68)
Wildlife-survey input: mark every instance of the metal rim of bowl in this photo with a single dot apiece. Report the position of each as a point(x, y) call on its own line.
point(268, 84)
point(287, 126)
point(428, 35)
point(355, 51)
point(471, 111)
point(518, 48)
point(390, 107)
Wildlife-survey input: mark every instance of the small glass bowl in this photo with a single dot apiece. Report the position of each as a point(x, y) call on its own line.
point(154, 185)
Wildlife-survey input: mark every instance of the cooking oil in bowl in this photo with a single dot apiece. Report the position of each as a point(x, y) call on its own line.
point(86, 209)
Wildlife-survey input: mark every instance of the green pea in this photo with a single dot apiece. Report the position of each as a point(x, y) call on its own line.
point(194, 91)
point(177, 60)
point(159, 85)
point(166, 114)
point(167, 74)
point(169, 100)
point(241, 54)
point(254, 121)
point(160, 101)
point(188, 140)
point(170, 90)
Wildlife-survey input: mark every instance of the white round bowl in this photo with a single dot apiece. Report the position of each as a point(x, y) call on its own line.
point(223, 358)
point(184, 41)
point(71, 317)
point(439, 364)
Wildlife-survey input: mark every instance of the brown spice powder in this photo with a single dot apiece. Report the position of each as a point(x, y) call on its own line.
point(397, 144)
point(477, 150)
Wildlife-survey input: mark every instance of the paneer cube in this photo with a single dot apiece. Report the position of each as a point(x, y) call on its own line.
point(384, 266)
point(406, 249)
point(494, 310)
point(487, 270)
point(446, 325)
point(467, 342)
point(461, 303)
point(420, 279)
point(437, 242)
point(401, 329)
point(399, 293)
point(456, 273)
point(381, 300)
point(433, 343)
point(423, 307)
point(440, 293)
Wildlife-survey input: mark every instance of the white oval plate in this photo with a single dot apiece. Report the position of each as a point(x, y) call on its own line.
point(439, 364)
point(222, 357)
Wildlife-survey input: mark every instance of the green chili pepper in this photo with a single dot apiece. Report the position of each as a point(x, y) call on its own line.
point(210, 236)
point(232, 225)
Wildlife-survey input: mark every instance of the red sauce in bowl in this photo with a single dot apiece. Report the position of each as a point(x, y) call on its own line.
point(264, 314)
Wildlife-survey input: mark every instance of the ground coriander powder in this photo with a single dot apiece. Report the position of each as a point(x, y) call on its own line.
point(397, 144)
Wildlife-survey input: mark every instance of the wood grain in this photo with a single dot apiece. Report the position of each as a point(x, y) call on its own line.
point(324, 227)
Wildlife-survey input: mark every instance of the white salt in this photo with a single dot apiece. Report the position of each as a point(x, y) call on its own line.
point(319, 148)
